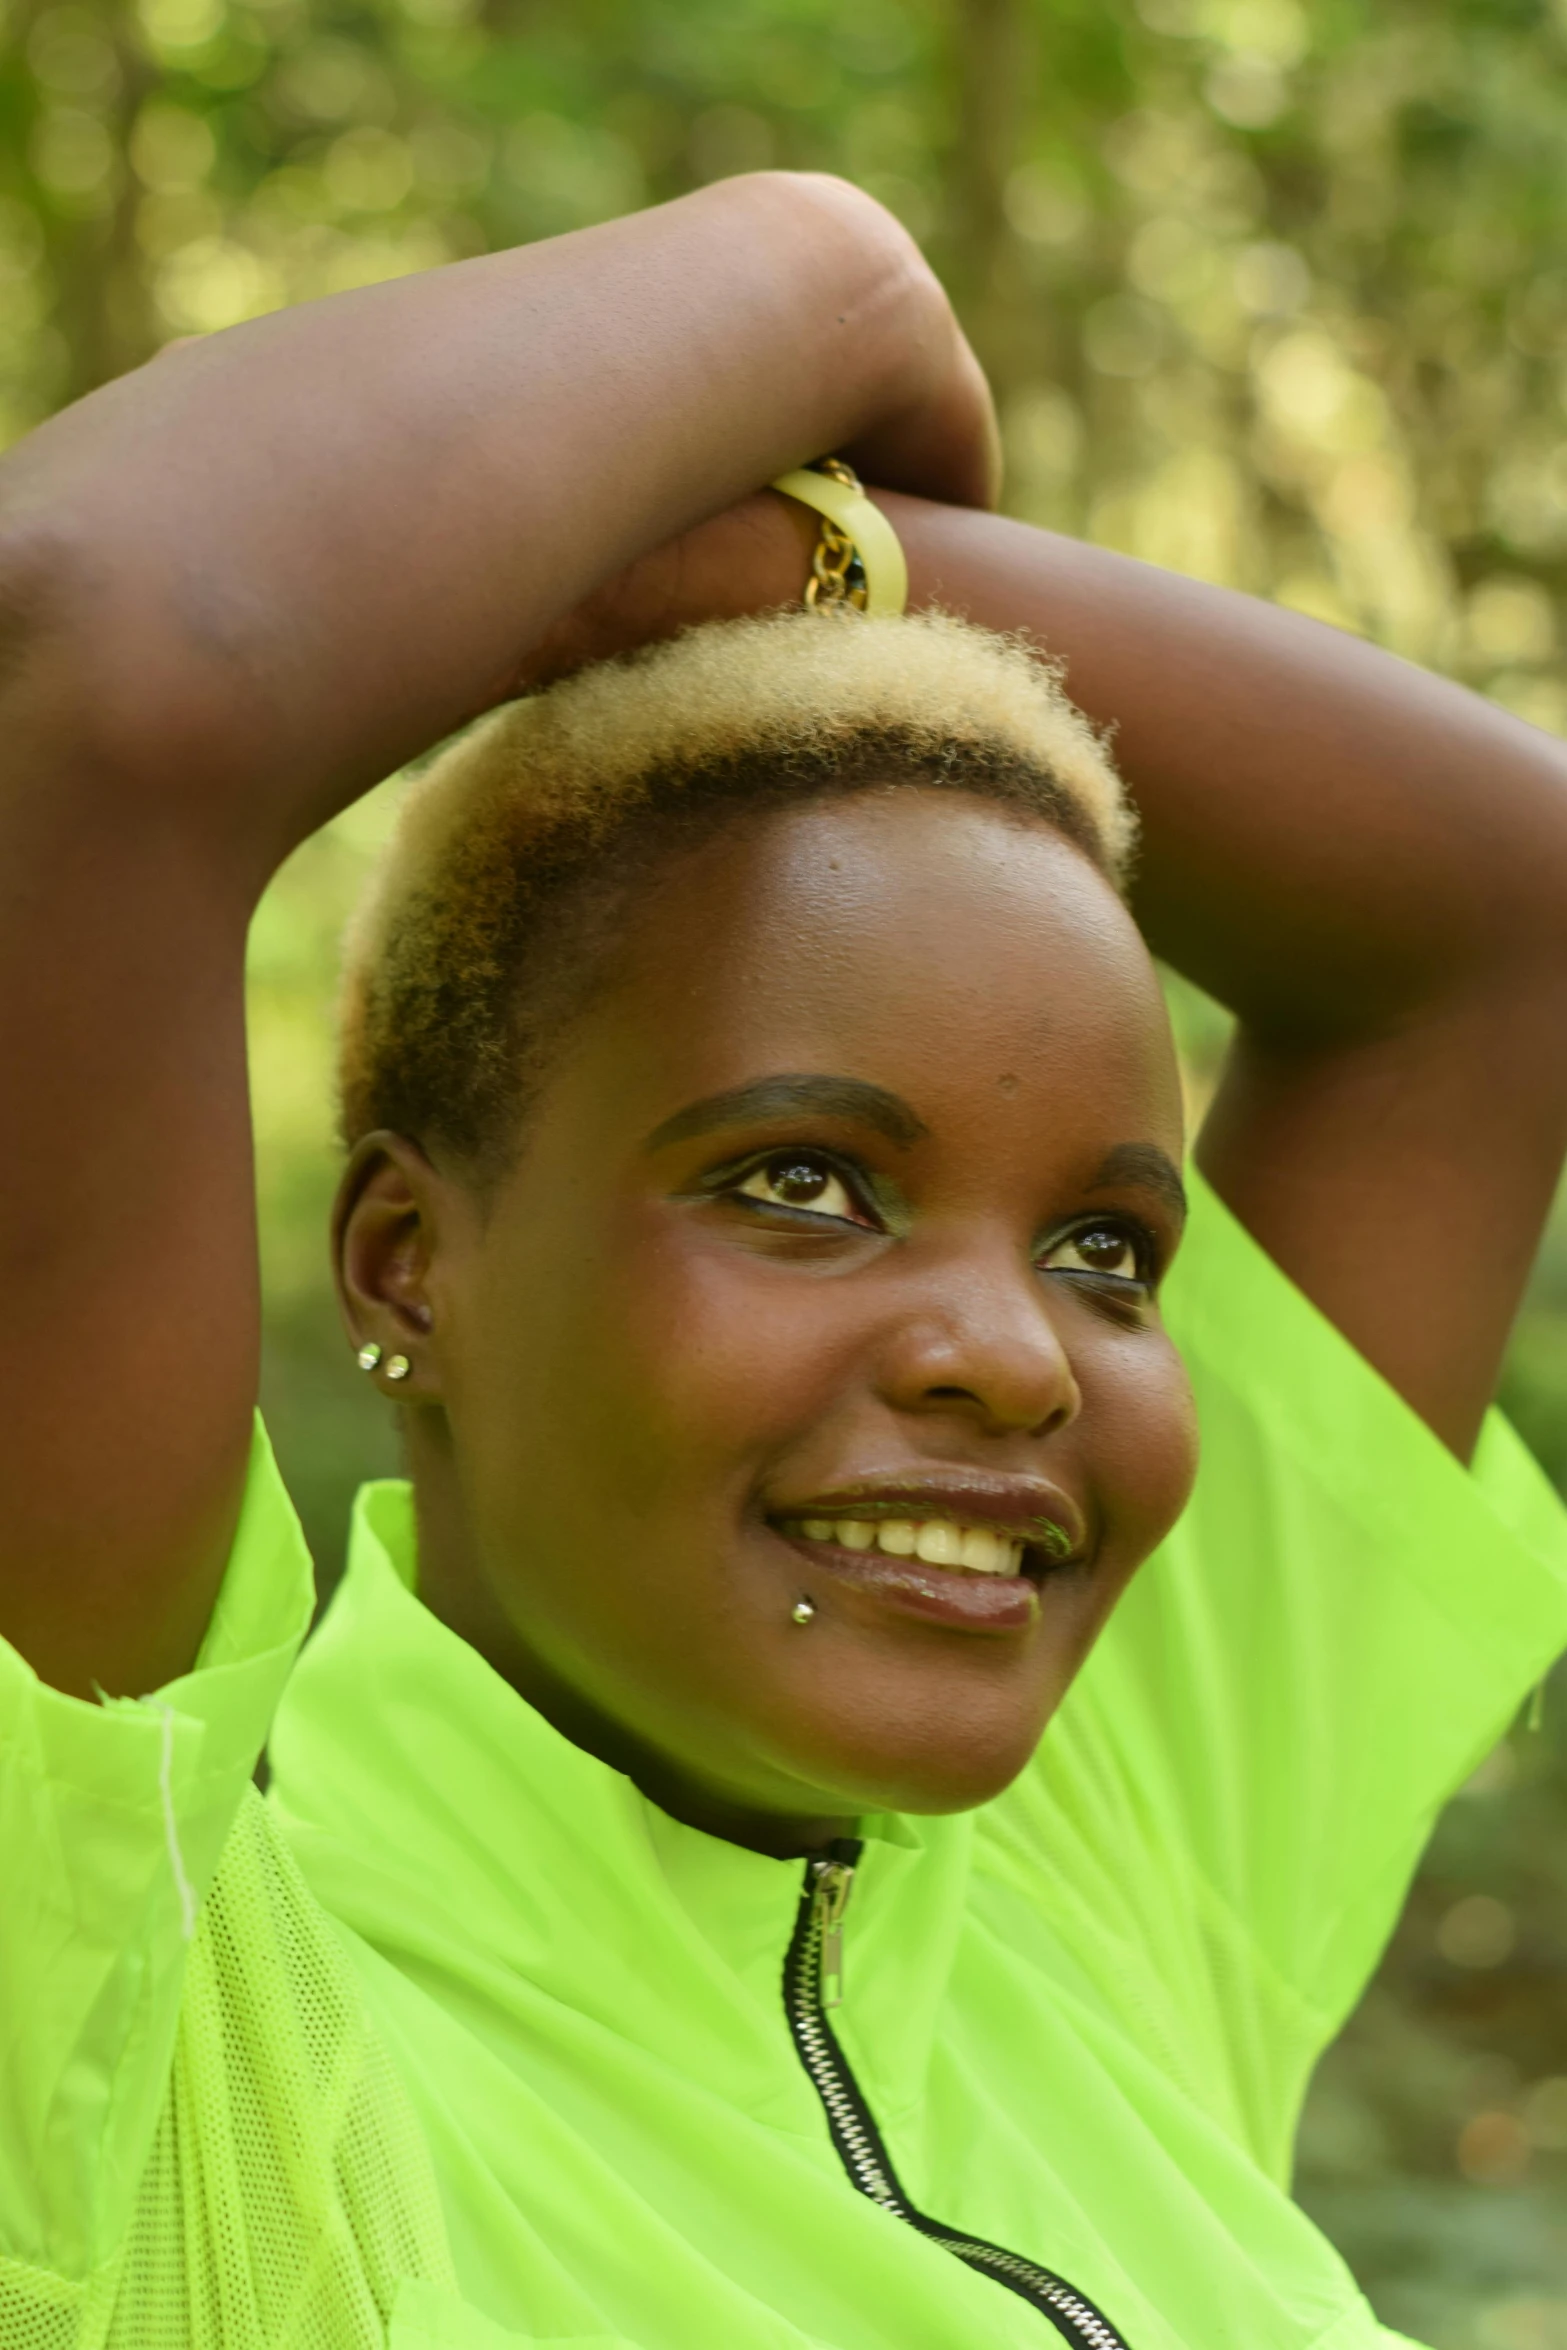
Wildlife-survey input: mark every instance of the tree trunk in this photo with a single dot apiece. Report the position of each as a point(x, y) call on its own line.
point(992, 63)
point(102, 306)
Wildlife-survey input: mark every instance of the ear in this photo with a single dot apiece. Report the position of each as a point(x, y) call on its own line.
point(386, 1223)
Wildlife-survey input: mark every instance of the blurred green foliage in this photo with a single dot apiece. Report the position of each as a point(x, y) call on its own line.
point(1270, 293)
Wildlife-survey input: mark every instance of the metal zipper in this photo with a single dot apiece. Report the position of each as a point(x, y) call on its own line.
point(819, 1928)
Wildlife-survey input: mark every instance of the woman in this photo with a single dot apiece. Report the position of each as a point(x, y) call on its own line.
point(668, 1927)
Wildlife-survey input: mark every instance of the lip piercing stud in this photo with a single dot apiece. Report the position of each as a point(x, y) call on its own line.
point(398, 1366)
point(368, 1356)
point(802, 1611)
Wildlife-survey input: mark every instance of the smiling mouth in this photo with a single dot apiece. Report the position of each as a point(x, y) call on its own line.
point(959, 1546)
point(938, 1542)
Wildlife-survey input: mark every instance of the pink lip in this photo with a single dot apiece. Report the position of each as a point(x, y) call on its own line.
point(911, 1587)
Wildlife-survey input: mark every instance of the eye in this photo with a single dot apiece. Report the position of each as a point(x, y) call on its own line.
point(802, 1180)
point(1108, 1249)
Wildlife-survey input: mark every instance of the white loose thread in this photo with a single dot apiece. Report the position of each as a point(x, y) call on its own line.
point(171, 1832)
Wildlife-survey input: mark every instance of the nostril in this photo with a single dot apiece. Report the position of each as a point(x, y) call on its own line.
point(1058, 1417)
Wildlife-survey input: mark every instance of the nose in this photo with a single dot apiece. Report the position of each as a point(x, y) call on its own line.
point(979, 1342)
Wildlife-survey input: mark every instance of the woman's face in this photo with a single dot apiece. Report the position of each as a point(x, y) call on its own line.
point(791, 1419)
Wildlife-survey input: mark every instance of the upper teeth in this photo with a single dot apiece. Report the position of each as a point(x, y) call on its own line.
point(941, 1542)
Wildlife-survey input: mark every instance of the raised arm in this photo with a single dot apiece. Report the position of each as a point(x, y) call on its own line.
point(235, 589)
point(1365, 863)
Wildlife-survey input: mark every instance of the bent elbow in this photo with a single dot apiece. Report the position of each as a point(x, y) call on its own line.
point(34, 592)
point(93, 687)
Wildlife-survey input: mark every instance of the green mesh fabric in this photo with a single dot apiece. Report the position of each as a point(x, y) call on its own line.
point(288, 2191)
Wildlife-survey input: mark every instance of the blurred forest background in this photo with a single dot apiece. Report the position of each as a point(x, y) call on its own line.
point(1272, 294)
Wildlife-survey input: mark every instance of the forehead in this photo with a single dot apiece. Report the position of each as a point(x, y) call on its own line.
point(925, 940)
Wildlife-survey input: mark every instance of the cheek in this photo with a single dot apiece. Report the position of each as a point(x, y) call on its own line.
point(730, 1355)
point(1140, 1424)
point(656, 1370)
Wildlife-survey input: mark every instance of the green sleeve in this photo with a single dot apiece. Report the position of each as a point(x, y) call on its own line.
point(1346, 1619)
point(112, 1820)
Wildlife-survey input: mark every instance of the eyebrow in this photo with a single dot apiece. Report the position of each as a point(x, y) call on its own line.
point(1142, 1163)
point(794, 1096)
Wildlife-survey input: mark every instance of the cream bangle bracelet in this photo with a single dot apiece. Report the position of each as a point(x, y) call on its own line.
point(853, 527)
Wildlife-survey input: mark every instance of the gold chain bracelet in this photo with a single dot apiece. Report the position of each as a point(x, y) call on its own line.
point(858, 565)
point(837, 573)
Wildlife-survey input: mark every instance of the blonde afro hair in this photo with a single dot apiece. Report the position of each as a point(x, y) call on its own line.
point(504, 890)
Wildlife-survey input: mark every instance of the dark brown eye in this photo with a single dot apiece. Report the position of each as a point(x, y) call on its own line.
point(1096, 1248)
point(795, 1179)
point(797, 1182)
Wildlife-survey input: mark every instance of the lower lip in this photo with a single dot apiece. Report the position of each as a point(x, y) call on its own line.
point(911, 1587)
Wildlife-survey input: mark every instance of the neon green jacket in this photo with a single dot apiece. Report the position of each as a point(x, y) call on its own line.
point(455, 2042)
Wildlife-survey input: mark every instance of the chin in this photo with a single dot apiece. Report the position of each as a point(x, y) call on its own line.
point(924, 1767)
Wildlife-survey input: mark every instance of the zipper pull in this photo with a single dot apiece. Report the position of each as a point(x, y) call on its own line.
point(834, 1884)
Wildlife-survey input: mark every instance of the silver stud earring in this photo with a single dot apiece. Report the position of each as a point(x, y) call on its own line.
point(803, 1611)
point(398, 1366)
point(368, 1356)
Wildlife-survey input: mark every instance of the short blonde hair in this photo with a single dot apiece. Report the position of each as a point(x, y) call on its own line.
point(518, 849)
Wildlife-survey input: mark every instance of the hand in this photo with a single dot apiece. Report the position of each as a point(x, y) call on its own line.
point(753, 556)
point(938, 438)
